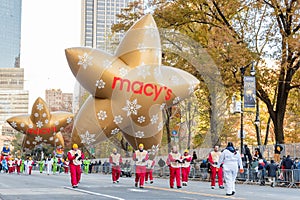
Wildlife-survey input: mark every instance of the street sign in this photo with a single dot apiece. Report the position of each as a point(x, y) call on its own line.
point(174, 132)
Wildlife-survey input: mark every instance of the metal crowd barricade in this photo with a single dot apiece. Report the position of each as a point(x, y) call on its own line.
point(296, 176)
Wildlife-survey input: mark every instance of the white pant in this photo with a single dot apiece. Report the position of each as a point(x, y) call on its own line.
point(230, 174)
point(49, 168)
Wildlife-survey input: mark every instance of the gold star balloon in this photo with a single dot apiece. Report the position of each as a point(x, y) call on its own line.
point(41, 126)
point(128, 90)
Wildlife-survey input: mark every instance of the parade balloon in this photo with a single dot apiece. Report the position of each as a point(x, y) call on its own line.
point(128, 90)
point(41, 126)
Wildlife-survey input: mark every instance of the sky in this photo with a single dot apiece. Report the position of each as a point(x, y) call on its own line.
point(48, 28)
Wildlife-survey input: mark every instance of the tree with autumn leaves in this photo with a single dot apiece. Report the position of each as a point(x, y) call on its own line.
point(235, 33)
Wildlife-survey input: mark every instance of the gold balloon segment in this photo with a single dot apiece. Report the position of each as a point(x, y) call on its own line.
point(129, 90)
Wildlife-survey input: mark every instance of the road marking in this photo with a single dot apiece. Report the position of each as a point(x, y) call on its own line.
point(196, 193)
point(93, 193)
point(137, 190)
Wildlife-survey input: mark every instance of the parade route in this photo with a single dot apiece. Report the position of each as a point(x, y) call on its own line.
point(100, 186)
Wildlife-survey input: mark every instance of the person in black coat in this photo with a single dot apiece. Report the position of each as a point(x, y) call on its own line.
point(287, 165)
point(272, 169)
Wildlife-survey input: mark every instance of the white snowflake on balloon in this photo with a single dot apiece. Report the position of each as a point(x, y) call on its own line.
point(39, 124)
point(176, 100)
point(162, 106)
point(13, 124)
point(22, 124)
point(123, 72)
point(36, 114)
point(69, 120)
point(38, 138)
point(87, 138)
point(154, 119)
point(141, 119)
point(152, 32)
point(85, 60)
point(44, 115)
point(118, 119)
point(143, 70)
point(102, 115)
point(115, 131)
point(175, 80)
point(107, 64)
point(100, 84)
point(139, 134)
point(40, 106)
point(191, 89)
point(131, 107)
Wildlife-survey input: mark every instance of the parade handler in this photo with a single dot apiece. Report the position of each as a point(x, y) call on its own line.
point(86, 165)
point(18, 164)
point(75, 157)
point(149, 170)
point(185, 166)
point(175, 167)
point(140, 157)
point(115, 160)
point(213, 159)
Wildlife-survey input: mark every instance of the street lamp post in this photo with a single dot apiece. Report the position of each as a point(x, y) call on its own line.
point(252, 72)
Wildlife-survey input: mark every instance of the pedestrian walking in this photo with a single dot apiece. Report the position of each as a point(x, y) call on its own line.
point(231, 161)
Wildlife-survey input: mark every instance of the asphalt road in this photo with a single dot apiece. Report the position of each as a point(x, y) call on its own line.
point(99, 186)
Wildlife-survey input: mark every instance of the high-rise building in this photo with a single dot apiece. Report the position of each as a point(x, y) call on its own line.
point(10, 33)
point(59, 101)
point(13, 97)
point(97, 17)
point(13, 100)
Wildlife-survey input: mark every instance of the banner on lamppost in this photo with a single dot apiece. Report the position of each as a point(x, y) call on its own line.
point(249, 92)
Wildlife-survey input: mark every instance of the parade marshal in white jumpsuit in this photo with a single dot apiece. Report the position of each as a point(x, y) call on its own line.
point(231, 161)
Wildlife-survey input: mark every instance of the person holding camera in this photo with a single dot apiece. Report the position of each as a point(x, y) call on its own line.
point(75, 157)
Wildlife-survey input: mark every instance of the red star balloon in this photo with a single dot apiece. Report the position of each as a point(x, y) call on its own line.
point(128, 90)
point(41, 126)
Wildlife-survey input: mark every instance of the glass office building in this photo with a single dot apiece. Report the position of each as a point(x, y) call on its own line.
point(97, 18)
point(10, 33)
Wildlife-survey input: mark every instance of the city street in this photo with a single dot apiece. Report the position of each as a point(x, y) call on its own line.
point(99, 186)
